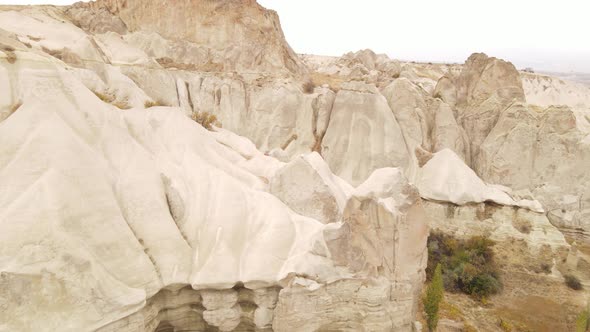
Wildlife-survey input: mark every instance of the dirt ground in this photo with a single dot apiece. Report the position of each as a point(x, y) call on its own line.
point(531, 299)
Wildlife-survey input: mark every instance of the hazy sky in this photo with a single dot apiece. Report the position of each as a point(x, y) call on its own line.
point(543, 34)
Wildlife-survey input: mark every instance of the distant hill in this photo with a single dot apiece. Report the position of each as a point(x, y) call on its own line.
point(571, 76)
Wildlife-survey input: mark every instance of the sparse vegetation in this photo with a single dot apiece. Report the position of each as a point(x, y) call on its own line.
point(107, 98)
point(308, 86)
point(9, 51)
point(58, 54)
point(468, 266)
point(150, 103)
point(333, 81)
point(583, 320)
point(434, 296)
point(15, 107)
point(206, 120)
point(122, 104)
point(110, 99)
point(34, 38)
point(289, 141)
point(511, 325)
point(209, 66)
point(573, 282)
point(505, 325)
point(545, 268)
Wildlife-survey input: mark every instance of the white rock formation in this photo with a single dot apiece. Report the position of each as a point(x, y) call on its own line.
point(499, 222)
point(458, 202)
point(363, 134)
point(141, 215)
point(446, 178)
point(308, 187)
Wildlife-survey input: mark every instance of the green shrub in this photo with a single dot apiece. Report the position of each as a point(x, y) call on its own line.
point(583, 320)
point(468, 265)
point(573, 282)
point(545, 268)
point(434, 295)
point(505, 325)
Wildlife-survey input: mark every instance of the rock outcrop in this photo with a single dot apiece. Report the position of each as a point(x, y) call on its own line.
point(207, 35)
point(363, 134)
point(520, 146)
point(145, 221)
point(546, 152)
point(308, 187)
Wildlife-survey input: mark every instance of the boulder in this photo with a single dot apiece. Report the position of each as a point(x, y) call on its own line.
point(485, 87)
point(363, 135)
point(308, 187)
point(445, 177)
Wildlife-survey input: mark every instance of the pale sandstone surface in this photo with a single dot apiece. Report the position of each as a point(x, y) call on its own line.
point(362, 135)
point(212, 28)
point(130, 203)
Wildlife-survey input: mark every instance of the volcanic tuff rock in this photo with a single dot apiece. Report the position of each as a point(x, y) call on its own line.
point(132, 207)
point(222, 35)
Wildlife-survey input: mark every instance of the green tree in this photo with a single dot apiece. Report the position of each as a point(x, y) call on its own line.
point(583, 321)
point(434, 294)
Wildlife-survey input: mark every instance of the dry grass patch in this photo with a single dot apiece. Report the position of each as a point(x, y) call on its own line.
point(9, 51)
point(149, 103)
point(167, 62)
point(110, 99)
point(206, 119)
point(58, 54)
point(123, 104)
point(573, 282)
point(33, 38)
point(308, 86)
point(105, 97)
point(15, 107)
point(333, 81)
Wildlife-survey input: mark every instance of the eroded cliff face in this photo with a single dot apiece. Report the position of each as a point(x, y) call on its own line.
point(146, 221)
point(206, 35)
point(135, 209)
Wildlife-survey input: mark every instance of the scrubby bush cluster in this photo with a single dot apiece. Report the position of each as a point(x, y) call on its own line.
point(434, 296)
point(206, 119)
point(468, 266)
point(573, 282)
point(110, 99)
point(9, 51)
point(583, 320)
point(150, 103)
point(308, 86)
